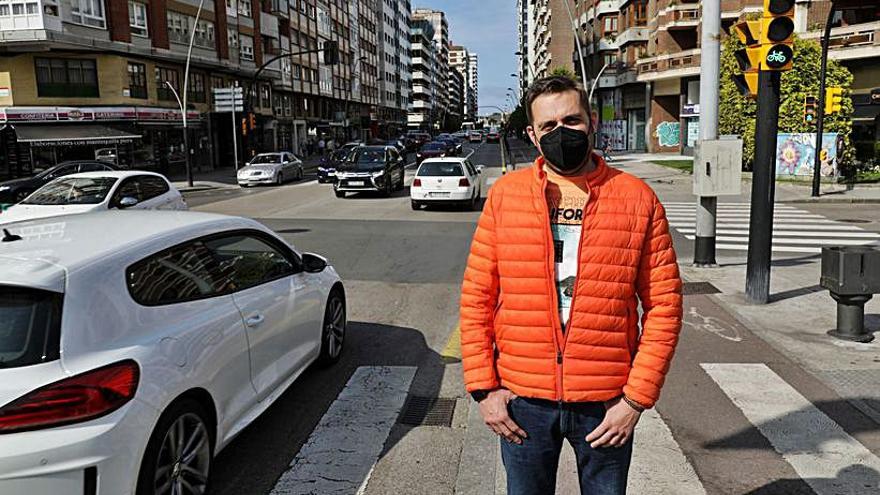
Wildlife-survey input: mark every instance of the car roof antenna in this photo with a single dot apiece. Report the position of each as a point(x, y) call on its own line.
point(9, 237)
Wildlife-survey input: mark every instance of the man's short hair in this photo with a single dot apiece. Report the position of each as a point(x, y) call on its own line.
point(551, 85)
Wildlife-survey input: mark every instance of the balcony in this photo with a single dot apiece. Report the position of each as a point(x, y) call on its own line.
point(683, 17)
point(31, 25)
point(618, 76)
point(280, 7)
point(668, 66)
point(608, 43)
point(632, 35)
point(851, 42)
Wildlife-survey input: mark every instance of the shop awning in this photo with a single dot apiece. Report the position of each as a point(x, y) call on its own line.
point(72, 135)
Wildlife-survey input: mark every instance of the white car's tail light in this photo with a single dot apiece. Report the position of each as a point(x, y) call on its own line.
point(464, 182)
point(417, 183)
point(77, 399)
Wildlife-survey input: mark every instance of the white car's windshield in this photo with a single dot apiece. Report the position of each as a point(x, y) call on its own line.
point(73, 191)
point(262, 159)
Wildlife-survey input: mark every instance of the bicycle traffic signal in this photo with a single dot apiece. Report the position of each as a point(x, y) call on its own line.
point(833, 100)
point(809, 109)
point(777, 29)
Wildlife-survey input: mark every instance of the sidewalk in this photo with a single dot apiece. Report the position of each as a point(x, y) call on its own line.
point(223, 178)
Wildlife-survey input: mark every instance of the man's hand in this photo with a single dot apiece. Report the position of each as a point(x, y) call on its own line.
point(494, 411)
point(617, 427)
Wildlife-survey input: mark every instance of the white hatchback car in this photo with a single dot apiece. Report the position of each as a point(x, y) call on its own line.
point(450, 180)
point(97, 191)
point(136, 345)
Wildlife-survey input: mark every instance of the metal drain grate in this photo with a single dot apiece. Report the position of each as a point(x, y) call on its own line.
point(694, 288)
point(427, 411)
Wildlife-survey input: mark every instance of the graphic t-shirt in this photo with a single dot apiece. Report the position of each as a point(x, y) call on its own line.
point(566, 199)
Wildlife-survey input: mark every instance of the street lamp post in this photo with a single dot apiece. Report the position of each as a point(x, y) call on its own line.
point(577, 41)
point(192, 38)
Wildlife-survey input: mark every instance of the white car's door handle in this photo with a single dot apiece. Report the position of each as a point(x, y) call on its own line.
point(255, 321)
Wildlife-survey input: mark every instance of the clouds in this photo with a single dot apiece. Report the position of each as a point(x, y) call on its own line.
point(489, 29)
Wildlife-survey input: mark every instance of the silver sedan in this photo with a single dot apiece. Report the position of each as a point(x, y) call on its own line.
point(271, 168)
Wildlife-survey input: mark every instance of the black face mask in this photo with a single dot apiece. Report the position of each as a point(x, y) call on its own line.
point(565, 149)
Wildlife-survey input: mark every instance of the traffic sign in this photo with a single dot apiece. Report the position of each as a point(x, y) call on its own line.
point(228, 99)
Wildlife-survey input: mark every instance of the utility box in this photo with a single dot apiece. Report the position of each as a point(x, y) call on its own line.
point(851, 270)
point(718, 167)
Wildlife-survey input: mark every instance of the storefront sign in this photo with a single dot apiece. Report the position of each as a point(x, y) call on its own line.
point(74, 114)
point(691, 109)
point(77, 142)
point(47, 114)
point(5, 92)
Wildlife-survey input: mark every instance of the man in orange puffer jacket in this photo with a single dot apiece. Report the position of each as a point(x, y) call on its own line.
point(550, 337)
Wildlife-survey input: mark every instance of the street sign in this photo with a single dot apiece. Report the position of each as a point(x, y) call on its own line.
point(228, 99)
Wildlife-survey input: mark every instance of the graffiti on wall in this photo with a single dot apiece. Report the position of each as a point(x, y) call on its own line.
point(796, 154)
point(668, 134)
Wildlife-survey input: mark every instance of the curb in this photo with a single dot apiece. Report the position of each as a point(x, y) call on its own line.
point(832, 201)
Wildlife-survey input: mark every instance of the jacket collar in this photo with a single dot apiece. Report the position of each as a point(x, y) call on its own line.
point(594, 178)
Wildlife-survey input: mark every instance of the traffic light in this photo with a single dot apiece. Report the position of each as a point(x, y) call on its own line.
point(809, 109)
point(252, 121)
point(833, 100)
point(244, 127)
point(748, 58)
point(777, 29)
point(331, 52)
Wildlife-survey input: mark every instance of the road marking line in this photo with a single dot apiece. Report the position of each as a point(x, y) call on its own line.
point(796, 241)
point(822, 453)
point(777, 226)
point(784, 233)
point(339, 456)
point(453, 345)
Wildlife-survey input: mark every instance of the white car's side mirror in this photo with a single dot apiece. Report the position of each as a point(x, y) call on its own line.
point(127, 202)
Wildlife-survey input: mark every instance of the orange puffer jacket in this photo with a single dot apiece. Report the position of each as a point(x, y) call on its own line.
point(511, 334)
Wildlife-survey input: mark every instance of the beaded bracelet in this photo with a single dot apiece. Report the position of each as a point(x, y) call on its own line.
point(633, 404)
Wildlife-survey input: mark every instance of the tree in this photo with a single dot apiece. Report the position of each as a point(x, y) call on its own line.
point(737, 113)
point(564, 72)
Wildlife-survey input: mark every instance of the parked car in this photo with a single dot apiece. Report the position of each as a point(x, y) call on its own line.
point(432, 150)
point(447, 181)
point(330, 162)
point(271, 168)
point(13, 191)
point(371, 168)
point(97, 191)
point(475, 136)
point(107, 155)
point(131, 335)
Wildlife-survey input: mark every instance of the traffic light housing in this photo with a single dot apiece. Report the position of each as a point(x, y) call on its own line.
point(748, 58)
point(810, 109)
point(252, 121)
point(777, 30)
point(244, 126)
point(747, 83)
point(833, 100)
point(331, 52)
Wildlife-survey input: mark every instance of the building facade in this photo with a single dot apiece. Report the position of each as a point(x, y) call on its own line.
point(460, 61)
point(441, 46)
point(395, 80)
point(426, 78)
point(81, 75)
point(474, 81)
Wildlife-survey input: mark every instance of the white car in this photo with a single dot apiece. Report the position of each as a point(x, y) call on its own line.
point(449, 180)
point(271, 168)
point(134, 346)
point(97, 191)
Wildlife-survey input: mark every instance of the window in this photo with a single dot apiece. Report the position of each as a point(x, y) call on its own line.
point(265, 96)
point(244, 8)
point(246, 47)
point(152, 187)
point(251, 261)
point(231, 8)
point(30, 326)
point(137, 18)
point(197, 87)
point(232, 37)
point(610, 25)
point(204, 34)
point(67, 77)
point(88, 13)
point(137, 80)
point(180, 274)
point(178, 27)
point(164, 75)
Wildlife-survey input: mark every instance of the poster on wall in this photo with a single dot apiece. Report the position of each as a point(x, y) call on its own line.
point(693, 132)
point(668, 134)
point(615, 130)
point(796, 154)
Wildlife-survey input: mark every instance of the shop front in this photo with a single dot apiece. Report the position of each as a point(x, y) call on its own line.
point(35, 138)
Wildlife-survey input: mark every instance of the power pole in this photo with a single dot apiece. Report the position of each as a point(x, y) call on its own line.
point(704, 248)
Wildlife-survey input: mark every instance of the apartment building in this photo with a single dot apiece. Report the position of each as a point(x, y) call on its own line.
point(460, 60)
point(441, 42)
point(474, 80)
point(427, 77)
point(524, 28)
point(395, 81)
point(550, 38)
point(455, 89)
point(80, 75)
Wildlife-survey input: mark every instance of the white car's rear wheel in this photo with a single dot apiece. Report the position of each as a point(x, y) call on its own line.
point(179, 453)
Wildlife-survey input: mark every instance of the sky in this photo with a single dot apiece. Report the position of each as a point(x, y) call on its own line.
point(489, 29)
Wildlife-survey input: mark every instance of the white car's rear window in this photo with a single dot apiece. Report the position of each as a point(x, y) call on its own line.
point(440, 169)
point(30, 322)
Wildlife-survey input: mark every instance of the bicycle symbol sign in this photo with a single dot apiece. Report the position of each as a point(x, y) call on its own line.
point(778, 57)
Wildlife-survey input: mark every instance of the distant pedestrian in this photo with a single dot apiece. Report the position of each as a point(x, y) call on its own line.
point(331, 145)
point(551, 341)
point(606, 148)
point(322, 145)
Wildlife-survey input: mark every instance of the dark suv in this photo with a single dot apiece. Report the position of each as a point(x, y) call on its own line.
point(13, 191)
point(371, 168)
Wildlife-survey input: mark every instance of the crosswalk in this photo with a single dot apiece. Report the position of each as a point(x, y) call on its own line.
point(794, 230)
point(340, 455)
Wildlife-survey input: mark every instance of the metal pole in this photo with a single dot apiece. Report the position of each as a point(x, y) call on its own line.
point(192, 38)
point(577, 41)
point(234, 133)
point(704, 240)
point(820, 112)
point(763, 189)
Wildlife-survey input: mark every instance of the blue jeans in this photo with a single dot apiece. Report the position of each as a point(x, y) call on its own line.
point(531, 466)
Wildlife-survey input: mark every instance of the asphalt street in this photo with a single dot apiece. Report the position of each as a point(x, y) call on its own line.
point(712, 432)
